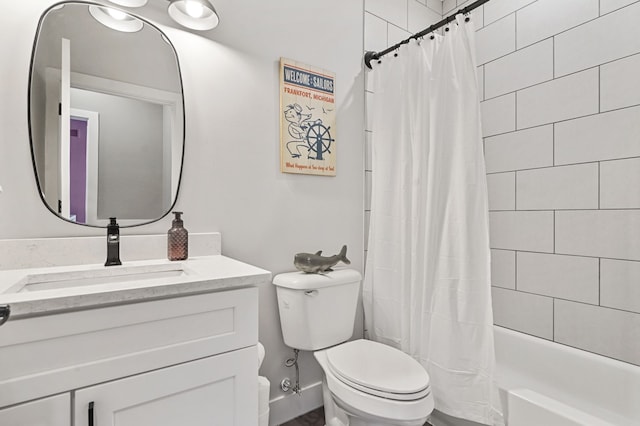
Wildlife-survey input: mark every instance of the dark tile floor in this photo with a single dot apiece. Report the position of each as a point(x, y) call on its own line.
point(312, 418)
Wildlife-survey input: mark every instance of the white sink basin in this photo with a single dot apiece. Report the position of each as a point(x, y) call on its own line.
point(87, 277)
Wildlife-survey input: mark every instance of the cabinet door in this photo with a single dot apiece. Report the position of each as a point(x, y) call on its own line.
point(53, 411)
point(215, 391)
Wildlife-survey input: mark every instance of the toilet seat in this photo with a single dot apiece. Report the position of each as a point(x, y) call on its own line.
point(394, 411)
point(379, 370)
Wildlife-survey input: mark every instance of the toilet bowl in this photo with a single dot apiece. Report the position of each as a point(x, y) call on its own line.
point(365, 383)
point(377, 384)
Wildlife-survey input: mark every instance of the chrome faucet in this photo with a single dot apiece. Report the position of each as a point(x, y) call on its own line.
point(113, 243)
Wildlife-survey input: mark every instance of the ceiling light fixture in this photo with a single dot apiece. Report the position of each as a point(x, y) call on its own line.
point(194, 14)
point(129, 3)
point(116, 19)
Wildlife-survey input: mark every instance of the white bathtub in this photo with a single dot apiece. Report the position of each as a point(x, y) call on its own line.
point(547, 384)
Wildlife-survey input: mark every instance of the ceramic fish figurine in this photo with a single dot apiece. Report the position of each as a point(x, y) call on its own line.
point(317, 264)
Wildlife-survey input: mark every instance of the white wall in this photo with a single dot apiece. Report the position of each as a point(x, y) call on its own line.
point(231, 179)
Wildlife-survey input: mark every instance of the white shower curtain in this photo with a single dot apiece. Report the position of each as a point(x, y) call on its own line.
point(427, 278)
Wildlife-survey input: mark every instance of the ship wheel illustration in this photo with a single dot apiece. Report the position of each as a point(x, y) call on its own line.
point(319, 140)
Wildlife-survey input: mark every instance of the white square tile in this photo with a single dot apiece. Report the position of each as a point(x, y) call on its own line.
point(545, 18)
point(394, 11)
point(448, 6)
point(502, 191)
point(607, 6)
point(528, 231)
point(619, 183)
point(421, 17)
point(435, 5)
point(498, 115)
point(604, 331)
point(565, 277)
point(619, 284)
point(556, 188)
point(528, 313)
point(619, 83)
point(496, 9)
point(560, 99)
point(520, 69)
point(599, 137)
point(605, 39)
point(503, 268)
point(524, 149)
point(496, 40)
point(396, 35)
point(600, 233)
point(375, 33)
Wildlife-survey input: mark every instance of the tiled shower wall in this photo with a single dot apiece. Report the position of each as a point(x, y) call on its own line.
point(560, 84)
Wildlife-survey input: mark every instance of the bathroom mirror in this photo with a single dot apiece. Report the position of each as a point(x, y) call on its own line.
point(106, 116)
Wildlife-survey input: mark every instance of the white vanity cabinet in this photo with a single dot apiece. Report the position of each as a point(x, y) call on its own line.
point(206, 392)
point(188, 360)
point(52, 411)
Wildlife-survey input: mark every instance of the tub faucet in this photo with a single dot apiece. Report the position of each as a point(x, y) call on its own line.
point(113, 243)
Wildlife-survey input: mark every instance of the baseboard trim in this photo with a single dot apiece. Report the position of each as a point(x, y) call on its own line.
point(287, 407)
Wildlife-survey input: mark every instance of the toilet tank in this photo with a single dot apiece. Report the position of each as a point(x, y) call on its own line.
point(317, 310)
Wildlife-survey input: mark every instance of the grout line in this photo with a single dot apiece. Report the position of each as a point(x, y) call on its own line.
point(567, 345)
point(551, 36)
point(567, 165)
point(599, 281)
point(553, 144)
point(599, 187)
point(548, 209)
point(515, 191)
point(599, 90)
point(554, 298)
point(567, 254)
point(554, 76)
point(553, 57)
point(515, 110)
point(484, 82)
point(562, 121)
point(554, 231)
point(553, 319)
point(515, 262)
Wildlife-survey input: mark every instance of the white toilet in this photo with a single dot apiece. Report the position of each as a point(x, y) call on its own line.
point(365, 383)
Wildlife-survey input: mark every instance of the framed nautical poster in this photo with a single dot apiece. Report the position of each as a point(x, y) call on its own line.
point(307, 119)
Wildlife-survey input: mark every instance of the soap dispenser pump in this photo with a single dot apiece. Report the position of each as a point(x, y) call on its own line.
point(177, 239)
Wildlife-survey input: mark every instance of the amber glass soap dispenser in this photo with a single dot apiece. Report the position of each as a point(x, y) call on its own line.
point(177, 239)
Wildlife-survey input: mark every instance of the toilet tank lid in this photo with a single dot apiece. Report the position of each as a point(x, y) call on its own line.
point(303, 281)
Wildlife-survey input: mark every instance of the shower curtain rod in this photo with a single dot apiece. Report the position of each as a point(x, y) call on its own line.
point(370, 56)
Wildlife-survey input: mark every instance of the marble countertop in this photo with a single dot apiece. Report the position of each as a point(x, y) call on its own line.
point(90, 286)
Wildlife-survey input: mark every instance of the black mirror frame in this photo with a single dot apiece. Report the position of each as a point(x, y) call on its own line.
point(31, 147)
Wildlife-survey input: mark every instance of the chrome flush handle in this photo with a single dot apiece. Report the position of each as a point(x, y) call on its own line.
point(311, 293)
point(5, 312)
